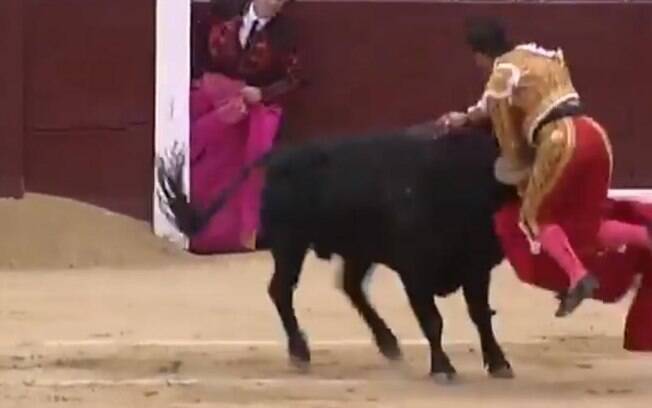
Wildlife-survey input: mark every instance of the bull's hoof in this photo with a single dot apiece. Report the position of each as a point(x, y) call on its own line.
point(299, 352)
point(441, 369)
point(300, 364)
point(502, 372)
point(390, 349)
point(444, 378)
point(394, 355)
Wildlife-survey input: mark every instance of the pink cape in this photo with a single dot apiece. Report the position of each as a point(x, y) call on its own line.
point(226, 135)
point(615, 270)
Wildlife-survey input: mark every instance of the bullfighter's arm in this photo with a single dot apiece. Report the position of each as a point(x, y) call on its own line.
point(502, 82)
point(291, 81)
point(478, 112)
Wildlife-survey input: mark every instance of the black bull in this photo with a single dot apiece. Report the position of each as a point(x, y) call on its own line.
point(420, 205)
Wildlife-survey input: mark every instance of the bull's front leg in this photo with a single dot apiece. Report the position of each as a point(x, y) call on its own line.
point(353, 275)
point(476, 294)
point(287, 268)
point(432, 325)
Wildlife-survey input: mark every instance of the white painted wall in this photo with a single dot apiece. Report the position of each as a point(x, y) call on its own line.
point(172, 92)
point(644, 195)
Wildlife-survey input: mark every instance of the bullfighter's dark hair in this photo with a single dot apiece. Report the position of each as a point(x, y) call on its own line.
point(487, 36)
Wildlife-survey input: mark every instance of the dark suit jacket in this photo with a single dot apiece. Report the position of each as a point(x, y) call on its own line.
point(269, 61)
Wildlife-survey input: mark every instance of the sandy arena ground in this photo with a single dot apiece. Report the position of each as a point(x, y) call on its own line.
point(95, 312)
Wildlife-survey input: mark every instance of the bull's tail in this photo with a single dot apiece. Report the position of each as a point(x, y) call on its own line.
point(174, 202)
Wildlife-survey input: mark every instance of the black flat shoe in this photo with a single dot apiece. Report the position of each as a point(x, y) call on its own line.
point(584, 289)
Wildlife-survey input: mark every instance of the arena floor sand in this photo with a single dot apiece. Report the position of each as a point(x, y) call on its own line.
point(180, 331)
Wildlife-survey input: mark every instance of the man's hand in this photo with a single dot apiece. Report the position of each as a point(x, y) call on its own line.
point(453, 120)
point(251, 94)
point(476, 115)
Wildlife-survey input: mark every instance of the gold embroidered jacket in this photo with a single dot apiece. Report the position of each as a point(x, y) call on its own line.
point(524, 86)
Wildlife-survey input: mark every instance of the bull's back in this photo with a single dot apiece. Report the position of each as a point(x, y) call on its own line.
point(382, 175)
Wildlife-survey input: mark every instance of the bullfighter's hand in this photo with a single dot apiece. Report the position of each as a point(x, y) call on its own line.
point(453, 120)
point(252, 94)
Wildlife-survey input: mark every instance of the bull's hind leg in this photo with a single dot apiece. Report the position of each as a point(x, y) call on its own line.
point(476, 294)
point(353, 274)
point(432, 325)
point(288, 260)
